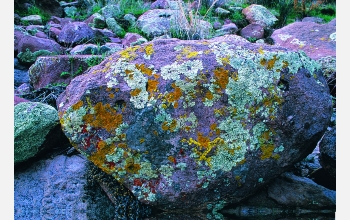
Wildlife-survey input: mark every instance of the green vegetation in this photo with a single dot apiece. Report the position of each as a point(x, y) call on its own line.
point(33, 10)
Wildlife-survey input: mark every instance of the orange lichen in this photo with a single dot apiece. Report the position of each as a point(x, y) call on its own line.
point(152, 85)
point(172, 159)
point(123, 145)
point(267, 150)
point(135, 92)
point(104, 117)
point(271, 62)
point(98, 158)
point(142, 140)
point(77, 105)
point(169, 127)
point(111, 95)
point(285, 64)
point(132, 167)
point(209, 95)
point(144, 69)
point(174, 96)
point(221, 76)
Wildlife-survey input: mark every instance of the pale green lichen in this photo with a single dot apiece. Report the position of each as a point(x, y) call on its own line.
point(284, 37)
point(333, 36)
point(33, 121)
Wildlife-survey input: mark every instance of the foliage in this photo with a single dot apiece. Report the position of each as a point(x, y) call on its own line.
point(135, 7)
point(33, 10)
point(285, 8)
point(187, 24)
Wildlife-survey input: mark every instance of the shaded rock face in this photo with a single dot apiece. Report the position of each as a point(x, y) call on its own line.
point(300, 191)
point(187, 123)
point(328, 152)
point(317, 40)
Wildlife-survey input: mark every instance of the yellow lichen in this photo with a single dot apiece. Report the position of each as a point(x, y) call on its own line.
point(149, 49)
point(267, 150)
point(129, 53)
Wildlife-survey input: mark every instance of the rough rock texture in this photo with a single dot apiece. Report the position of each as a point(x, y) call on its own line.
point(187, 123)
point(33, 44)
point(317, 40)
point(258, 14)
point(157, 22)
point(55, 189)
point(300, 191)
point(32, 124)
point(18, 100)
point(59, 69)
point(252, 31)
point(75, 33)
point(328, 152)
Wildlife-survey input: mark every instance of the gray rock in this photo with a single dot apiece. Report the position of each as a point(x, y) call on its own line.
point(328, 152)
point(56, 189)
point(291, 190)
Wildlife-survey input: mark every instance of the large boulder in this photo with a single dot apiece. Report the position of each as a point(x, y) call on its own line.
point(186, 123)
point(317, 40)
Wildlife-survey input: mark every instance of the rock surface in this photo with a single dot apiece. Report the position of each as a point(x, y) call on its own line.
point(56, 189)
point(328, 152)
point(186, 123)
point(32, 124)
point(316, 40)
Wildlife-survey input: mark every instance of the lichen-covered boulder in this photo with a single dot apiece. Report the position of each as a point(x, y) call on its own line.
point(258, 14)
point(32, 124)
point(317, 40)
point(186, 123)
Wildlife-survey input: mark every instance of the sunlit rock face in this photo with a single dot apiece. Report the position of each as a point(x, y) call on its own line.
point(185, 124)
